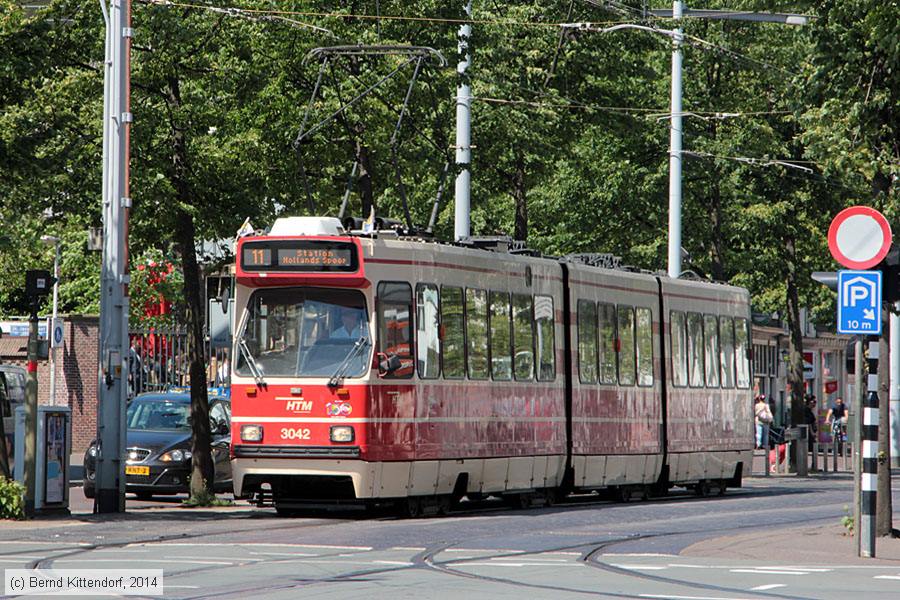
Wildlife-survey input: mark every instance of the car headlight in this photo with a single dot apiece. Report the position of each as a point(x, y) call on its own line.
point(175, 456)
point(251, 433)
point(342, 433)
point(93, 451)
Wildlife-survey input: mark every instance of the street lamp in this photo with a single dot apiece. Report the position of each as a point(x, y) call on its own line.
point(51, 239)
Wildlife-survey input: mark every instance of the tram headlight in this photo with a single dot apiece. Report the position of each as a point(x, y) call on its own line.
point(342, 433)
point(251, 433)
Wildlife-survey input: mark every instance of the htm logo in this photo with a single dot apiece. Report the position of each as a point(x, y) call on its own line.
point(299, 406)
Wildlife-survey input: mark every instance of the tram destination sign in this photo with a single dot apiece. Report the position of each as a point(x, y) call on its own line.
point(302, 256)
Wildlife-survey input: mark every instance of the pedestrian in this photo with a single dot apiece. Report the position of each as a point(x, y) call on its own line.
point(763, 418)
point(810, 418)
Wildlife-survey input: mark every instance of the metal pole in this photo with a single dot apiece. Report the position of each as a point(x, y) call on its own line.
point(113, 371)
point(463, 131)
point(869, 476)
point(675, 149)
point(859, 398)
point(31, 418)
point(894, 394)
point(53, 325)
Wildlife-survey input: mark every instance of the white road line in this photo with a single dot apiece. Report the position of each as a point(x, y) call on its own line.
point(142, 560)
point(409, 549)
point(767, 572)
point(886, 577)
point(640, 567)
point(402, 563)
point(670, 597)
point(634, 555)
point(300, 554)
point(534, 559)
point(770, 586)
point(519, 564)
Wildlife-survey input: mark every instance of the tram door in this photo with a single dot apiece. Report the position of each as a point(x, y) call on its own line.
point(394, 399)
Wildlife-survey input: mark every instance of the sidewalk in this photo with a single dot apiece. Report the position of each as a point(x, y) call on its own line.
point(820, 545)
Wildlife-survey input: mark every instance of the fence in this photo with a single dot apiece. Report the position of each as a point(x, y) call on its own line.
point(820, 457)
point(158, 359)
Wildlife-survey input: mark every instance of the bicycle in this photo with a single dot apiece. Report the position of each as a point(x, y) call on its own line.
point(839, 434)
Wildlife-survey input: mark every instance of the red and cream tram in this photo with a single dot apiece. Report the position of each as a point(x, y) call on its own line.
point(375, 368)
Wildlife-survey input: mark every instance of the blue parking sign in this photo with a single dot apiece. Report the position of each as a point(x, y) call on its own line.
point(859, 302)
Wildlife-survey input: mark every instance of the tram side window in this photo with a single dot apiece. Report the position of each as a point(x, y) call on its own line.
point(453, 355)
point(711, 331)
point(523, 336)
point(678, 334)
point(606, 317)
point(587, 341)
point(395, 327)
point(477, 333)
point(695, 349)
point(644, 329)
point(741, 354)
point(626, 345)
point(726, 339)
point(428, 328)
point(545, 342)
point(501, 337)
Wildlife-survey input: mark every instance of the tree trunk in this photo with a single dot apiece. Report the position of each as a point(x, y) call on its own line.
point(364, 159)
point(519, 193)
point(795, 327)
point(202, 471)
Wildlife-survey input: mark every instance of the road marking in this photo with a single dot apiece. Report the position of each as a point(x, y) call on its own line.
point(402, 563)
point(301, 554)
point(668, 597)
point(887, 577)
point(142, 560)
point(770, 586)
point(768, 572)
point(635, 555)
point(409, 549)
point(639, 567)
point(519, 564)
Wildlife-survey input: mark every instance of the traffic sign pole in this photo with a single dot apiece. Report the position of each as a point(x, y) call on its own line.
point(869, 484)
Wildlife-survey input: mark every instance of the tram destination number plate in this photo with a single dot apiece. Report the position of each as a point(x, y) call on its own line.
point(299, 255)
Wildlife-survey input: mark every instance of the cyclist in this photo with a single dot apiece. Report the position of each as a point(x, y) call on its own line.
point(837, 416)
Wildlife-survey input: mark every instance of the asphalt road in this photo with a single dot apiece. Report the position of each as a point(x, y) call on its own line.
point(583, 548)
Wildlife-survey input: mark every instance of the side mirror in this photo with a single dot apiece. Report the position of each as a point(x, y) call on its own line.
point(388, 364)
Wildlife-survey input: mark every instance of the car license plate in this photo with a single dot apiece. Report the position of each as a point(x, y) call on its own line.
point(129, 470)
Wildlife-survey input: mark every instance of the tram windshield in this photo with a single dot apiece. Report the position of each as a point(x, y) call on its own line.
point(304, 332)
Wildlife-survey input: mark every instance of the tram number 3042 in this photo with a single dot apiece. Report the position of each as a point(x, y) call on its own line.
point(289, 433)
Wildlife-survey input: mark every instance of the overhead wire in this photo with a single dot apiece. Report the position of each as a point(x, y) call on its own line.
point(360, 16)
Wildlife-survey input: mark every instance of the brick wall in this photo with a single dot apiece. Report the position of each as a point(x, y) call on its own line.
point(76, 374)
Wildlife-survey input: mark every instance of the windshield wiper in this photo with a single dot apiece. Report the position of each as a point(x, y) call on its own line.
point(361, 343)
point(252, 364)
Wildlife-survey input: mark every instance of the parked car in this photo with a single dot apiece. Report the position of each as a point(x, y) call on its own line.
point(158, 445)
point(12, 395)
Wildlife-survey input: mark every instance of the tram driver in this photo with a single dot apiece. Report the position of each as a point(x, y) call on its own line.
point(352, 326)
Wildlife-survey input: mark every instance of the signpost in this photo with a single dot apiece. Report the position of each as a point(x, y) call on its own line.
point(860, 238)
point(859, 302)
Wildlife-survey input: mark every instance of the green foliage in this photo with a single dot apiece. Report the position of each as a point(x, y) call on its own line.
point(848, 521)
point(205, 498)
point(12, 499)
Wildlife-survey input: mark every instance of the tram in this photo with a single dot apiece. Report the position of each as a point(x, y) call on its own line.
point(376, 368)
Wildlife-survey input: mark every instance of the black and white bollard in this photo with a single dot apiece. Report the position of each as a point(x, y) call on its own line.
point(869, 475)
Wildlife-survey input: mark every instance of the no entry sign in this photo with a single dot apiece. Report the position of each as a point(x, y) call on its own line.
point(859, 237)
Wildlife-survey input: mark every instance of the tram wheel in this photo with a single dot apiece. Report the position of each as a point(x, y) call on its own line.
point(702, 488)
point(285, 512)
point(623, 494)
point(411, 507)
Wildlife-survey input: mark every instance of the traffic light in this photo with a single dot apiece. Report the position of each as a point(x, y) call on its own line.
point(38, 283)
point(890, 272)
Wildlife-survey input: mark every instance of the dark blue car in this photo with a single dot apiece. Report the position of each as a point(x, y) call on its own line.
point(158, 445)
